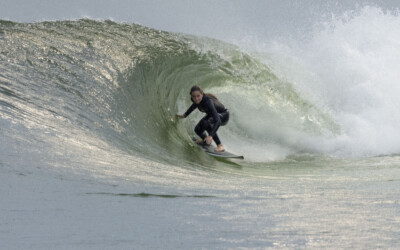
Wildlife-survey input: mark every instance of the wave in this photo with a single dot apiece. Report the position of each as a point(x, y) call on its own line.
point(116, 85)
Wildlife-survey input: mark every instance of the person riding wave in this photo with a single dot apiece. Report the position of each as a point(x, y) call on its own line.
point(216, 115)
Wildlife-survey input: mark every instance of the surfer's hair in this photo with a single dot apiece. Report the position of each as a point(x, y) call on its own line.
point(198, 88)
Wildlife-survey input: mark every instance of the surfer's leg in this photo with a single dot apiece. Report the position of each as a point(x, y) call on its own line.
point(201, 127)
point(209, 124)
point(224, 118)
point(216, 139)
point(209, 127)
point(220, 147)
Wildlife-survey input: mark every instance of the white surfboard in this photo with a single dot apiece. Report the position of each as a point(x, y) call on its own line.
point(210, 149)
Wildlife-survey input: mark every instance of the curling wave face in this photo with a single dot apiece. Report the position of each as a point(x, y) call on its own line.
point(124, 83)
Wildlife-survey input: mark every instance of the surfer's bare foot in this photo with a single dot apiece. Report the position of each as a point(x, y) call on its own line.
point(220, 148)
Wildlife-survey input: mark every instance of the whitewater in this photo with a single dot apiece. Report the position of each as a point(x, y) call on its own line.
point(93, 156)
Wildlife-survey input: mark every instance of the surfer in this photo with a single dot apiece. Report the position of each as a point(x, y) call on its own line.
point(216, 115)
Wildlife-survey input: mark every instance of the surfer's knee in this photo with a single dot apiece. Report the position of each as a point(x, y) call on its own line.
point(198, 129)
point(204, 124)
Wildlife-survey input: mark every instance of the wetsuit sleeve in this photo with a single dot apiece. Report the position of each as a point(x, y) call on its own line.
point(215, 115)
point(190, 110)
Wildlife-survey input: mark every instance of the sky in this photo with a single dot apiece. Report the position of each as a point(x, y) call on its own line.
point(221, 19)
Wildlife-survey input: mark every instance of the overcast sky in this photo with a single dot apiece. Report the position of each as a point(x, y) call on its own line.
point(223, 19)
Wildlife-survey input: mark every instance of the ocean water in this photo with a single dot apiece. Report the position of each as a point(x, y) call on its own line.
point(92, 156)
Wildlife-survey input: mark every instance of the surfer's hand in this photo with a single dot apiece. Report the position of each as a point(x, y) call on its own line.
point(209, 139)
point(180, 116)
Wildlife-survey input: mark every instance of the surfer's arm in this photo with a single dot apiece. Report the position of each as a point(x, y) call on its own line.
point(190, 110)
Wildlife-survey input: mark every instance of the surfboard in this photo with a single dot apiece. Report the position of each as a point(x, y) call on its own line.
point(210, 149)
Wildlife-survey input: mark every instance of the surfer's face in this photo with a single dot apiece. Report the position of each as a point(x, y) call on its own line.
point(197, 96)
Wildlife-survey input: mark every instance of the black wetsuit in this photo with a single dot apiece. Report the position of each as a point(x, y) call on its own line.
point(217, 115)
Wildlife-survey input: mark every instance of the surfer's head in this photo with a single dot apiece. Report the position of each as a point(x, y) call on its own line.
point(196, 94)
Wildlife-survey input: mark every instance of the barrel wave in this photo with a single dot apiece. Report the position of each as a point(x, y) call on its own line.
point(123, 84)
